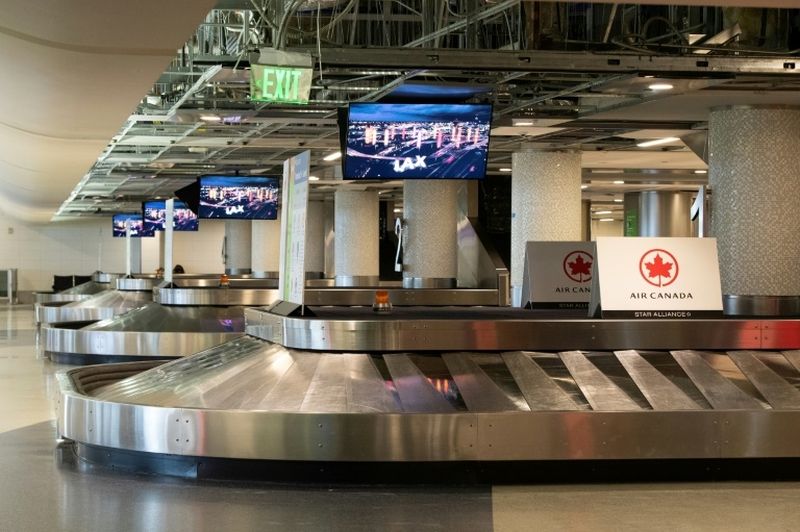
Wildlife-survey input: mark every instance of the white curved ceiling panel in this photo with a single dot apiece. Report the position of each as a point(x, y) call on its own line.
point(70, 74)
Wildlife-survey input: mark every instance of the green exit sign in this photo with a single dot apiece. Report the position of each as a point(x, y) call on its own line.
point(281, 84)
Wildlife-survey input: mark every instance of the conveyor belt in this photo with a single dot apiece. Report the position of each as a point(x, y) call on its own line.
point(100, 306)
point(150, 331)
point(254, 399)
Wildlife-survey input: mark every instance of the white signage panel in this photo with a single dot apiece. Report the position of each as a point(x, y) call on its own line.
point(557, 274)
point(658, 278)
point(294, 197)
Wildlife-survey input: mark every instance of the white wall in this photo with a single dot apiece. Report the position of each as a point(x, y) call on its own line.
point(39, 251)
point(615, 228)
point(201, 251)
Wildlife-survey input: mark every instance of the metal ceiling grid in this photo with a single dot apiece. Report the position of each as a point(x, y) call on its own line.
point(171, 138)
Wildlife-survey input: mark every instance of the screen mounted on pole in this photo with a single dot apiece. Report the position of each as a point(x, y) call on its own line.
point(136, 224)
point(154, 214)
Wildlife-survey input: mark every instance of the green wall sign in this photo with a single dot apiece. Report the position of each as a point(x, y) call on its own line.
point(283, 84)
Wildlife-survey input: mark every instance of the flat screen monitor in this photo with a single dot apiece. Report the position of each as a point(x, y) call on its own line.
point(239, 197)
point(154, 213)
point(417, 141)
point(136, 224)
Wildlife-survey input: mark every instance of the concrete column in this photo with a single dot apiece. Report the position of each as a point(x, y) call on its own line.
point(238, 239)
point(545, 204)
point(315, 239)
point(430, 254)
point(265, 248)
point(754, 190)
point(356, 241)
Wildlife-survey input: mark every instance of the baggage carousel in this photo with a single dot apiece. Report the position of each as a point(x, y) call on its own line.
point(448, 385)
point(127, 324)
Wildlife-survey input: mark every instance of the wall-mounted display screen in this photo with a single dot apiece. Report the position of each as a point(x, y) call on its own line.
point(154, 213)
point(417, 141)
point(239, 197)
point(136, 224)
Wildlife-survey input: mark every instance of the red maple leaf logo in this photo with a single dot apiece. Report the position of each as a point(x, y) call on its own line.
point(579, 269)
point(580, 266)
point(659, 268)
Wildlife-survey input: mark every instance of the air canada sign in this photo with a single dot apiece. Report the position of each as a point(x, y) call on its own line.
point(557, 275)
point(659, 278)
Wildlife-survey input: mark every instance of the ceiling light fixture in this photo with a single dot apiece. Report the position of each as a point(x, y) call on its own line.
point(618, 200)
point(619, 182)
point(657, 142)
point(210, 118)
point(660, 87)
point(397, 211)
point(584, 187)
point(701, 171)
point(332, 156)
point(602, 212)
point(606, 220)
point(313, 178)
point(524, 123)
point(505, 169)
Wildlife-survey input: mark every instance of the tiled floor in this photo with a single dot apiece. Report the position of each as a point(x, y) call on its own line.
point(41, 490)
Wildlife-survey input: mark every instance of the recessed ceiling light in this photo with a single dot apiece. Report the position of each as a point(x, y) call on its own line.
point(618, 182)
point(332, 156)
point(618, 200)
point(606, 220)
point(524, 123)
point(660, 87)
point(210, 118)
point(313, 178)
point(584, 187)
point(397, 211)
point(505, 169)
point(602, 212)
point(701, 171)
point(657, 142)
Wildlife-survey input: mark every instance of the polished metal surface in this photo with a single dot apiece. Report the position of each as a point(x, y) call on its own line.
point(452, 329)
point(479, 391)
point(660, 392)
point(402, 297)
point(429, 282)
point(135, 284)
point(598, 388)
point(255, 400)
point(540, 391)
point(104, 277)
point(237, 271)
point(415, 390)
point(775, 389)
point(357, 280)
point(248, 297)
point(76, 293)
point(100, 306)
point(736, 305)
point(664, 213)
point(718, 390)
point(152, 330)
point(254, 297)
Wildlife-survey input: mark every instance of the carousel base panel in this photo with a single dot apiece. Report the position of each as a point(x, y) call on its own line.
point(255, 400)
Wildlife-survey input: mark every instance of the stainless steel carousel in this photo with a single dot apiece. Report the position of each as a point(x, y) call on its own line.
point(453, 385)
point(132, 322)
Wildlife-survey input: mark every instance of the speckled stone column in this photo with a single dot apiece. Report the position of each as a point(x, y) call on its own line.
point(238, 238)
point(753, 174)
point(545, 204)
point(356, 240)
point(430, 255)
point(315, 239)
point(266, 247)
